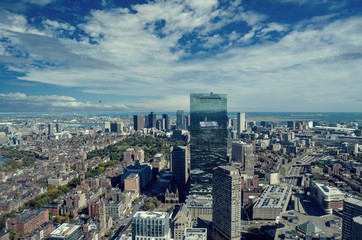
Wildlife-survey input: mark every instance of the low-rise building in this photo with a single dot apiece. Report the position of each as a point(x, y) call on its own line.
point(327, 197)
point(195, 234)
point(180, 221)
point(272, 202)
point(28, 222)
point(150, 225)
point(199, 205)
point(67, 231)
point(115, 210)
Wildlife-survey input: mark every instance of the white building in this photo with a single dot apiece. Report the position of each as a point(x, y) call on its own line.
point(273, 178)
point(241, 124)
point(328, 197)
point(151, 226)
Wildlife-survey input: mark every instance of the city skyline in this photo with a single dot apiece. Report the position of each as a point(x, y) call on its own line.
point(274, 55)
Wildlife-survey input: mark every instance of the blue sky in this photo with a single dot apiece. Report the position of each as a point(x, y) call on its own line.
point(123, 55)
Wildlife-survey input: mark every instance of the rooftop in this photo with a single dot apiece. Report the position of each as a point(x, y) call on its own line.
point(328, 190)
point(158, 215)
point(354, 201)
point(274, 196)
point(64, 230)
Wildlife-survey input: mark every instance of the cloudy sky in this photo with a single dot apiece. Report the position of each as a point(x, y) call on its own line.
point(133, 55)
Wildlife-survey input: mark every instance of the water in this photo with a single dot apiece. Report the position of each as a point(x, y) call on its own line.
point(334, 117)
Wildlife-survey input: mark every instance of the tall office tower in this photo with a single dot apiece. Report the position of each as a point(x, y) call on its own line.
point(291, 125)
point(167, 121)
point(151, 120)
point(50, 129)
point(208, 144)
point(180, 120)
point(352, 208)
point(59, 127)
point(226, 210)
point(244, 153)
point(150, 226)
point(147, 121)
point(240, 125)
point(116, 127)
point(180, 169)
point(138, 122)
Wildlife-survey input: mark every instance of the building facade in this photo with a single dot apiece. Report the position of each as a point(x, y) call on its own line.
point(195, 234)
point(226, 203)
point(180, 169)
point(180, 120)
point(152, 120)
point(151, 226)
point(352, 208)
point(28, 222)
point(240, 122)
point(243, 153)
point(181, 220)
point(143, 170)
point(327, 197)
point(67, 231)
point(138, 122)
point(208, 143)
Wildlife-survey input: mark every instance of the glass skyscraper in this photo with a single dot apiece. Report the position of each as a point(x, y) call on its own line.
point(208, 145)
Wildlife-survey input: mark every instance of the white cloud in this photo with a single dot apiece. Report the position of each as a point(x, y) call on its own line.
point(138, 54)
point(271, 27)
point(202, 6)
point(213, 41)
point(21, 101)
point(55, 25)
point(39, 2)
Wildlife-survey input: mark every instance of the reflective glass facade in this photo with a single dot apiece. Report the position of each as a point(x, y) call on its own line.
point(208, 130)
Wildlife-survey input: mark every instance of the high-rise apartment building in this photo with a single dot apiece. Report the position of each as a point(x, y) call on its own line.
point(352, 208)
point(150, 226)
point(138, 122)
point(180, 169)
point(208, 145)
point(226, 203)
point(180, 120)
point(240, 125)
point(243, 153)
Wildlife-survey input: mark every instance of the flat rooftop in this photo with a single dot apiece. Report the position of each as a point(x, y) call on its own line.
point(274, 196)
point(64, 230)
point(202, 201)
point(158, 215)
point(354, 201)
point(328, 190)
point(330, 224)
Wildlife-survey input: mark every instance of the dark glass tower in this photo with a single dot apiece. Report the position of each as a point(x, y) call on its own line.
point(208, 130)
point(180, 169)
